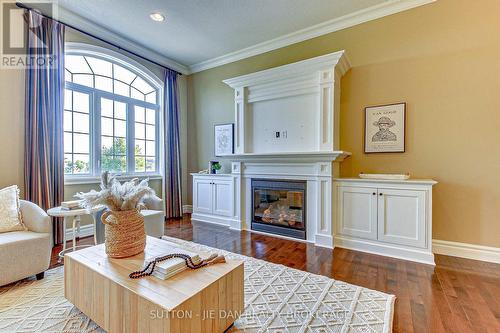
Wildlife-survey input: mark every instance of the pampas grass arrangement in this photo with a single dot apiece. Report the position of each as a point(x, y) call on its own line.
point(116, 196)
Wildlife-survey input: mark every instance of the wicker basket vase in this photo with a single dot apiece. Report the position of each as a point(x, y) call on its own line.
point(124, 232)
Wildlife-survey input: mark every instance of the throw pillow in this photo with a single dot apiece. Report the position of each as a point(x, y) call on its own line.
point(10, 213)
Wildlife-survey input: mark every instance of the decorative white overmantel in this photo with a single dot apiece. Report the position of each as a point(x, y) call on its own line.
point(300, 101)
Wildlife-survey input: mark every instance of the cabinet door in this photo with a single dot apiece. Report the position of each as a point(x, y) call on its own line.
point(358, 211)
point(223, 197)
point(202, 196)
point(402, 217)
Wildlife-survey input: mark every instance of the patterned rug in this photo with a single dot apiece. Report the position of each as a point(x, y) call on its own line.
point(277, 299)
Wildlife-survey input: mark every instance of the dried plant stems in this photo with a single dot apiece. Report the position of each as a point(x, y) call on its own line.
point(116, 196)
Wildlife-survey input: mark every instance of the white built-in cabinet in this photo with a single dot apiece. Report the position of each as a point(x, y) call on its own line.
point(385, 217)
point(213, 198)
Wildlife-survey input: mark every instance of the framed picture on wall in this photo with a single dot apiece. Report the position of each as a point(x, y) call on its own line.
point(385, 128)
point(224, 139)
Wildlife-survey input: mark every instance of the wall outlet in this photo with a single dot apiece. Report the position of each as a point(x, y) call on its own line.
point(277, 135)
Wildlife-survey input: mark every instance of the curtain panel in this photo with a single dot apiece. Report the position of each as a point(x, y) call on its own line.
point(172, 160)
point(44, 156)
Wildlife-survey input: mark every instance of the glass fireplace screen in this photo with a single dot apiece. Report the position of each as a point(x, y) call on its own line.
point(280, 203)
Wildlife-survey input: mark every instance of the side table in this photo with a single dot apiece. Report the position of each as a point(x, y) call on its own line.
point(74, 217)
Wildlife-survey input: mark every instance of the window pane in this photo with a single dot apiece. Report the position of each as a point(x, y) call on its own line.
point(113, 163)
point(150, 132)
point(136, 94)
point(67, 121)
point(140, 164)
point(68, 99)
point(120, 110)
point(150, 116)
point(68, 163)
point(106, 145)
point(122, 162)
point(120, 147)
point(81, 163)
point(76, 64)
point(106, 126)
point(142, 86)
point(151, 97)
point(106, 107)
point(150, 148)
point(84, 79)
point(140, 147)
point(121, 88)
point(81, 122)
point(139, 131)
point(103, 83)
point(139, 114)
point(123, 74)
point(100, 67)
point(150, 164)
point(120, 128)
point(81, 143)
point(80, 102)
point(68, 143)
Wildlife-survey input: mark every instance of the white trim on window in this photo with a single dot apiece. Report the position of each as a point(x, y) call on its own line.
point(86, 179)
point(72, 48)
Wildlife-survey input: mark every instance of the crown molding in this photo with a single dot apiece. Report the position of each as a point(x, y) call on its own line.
point(293, 70)
point(106, 34)
point(371, 13)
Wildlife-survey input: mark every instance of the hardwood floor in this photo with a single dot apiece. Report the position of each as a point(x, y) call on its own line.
point(457, 295)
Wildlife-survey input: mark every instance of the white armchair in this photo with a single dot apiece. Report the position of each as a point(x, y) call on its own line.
point(26, 253)
point(154, 217)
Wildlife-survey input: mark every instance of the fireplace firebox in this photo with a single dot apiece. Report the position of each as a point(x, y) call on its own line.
point(279, 207)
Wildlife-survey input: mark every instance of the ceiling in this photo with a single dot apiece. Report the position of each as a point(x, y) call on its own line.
point(196, 32)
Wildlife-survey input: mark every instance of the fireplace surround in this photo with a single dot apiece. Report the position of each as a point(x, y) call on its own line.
point(279, 207)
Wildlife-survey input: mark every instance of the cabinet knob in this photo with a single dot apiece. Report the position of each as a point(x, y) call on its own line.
point(381, 194)
point(374, 193)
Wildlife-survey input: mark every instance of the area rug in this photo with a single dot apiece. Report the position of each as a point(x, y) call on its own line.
point(277, 299)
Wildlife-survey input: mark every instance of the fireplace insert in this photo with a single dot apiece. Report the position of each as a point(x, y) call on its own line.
point(279, 207)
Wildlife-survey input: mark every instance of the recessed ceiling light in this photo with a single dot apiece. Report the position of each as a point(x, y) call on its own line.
point(156, 16)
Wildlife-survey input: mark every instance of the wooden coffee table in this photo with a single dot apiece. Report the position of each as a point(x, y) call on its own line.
point(209, 299)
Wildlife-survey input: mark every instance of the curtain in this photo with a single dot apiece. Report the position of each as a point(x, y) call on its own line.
point(44, 159)
point(172, 164)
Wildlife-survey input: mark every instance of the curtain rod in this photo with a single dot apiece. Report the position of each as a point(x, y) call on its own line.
point(23, 6)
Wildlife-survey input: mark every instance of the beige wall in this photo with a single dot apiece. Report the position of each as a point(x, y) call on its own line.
point(11, 127)
point(443, 59)
point(12, 92)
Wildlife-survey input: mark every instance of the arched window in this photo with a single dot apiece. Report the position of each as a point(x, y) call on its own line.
point(111, 114)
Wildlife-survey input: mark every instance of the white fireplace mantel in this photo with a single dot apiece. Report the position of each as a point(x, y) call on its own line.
point(318, 176)
point(320, 156)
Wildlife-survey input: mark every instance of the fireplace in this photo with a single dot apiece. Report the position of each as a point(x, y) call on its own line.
point(279, 207)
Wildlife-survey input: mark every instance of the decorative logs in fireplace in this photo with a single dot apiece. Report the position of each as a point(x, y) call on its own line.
point(279, 207)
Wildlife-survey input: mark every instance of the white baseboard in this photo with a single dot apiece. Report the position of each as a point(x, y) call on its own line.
point(85, 231)
point(324, 241)
point(187, 209)
point(465, 250)
point(389, 250)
